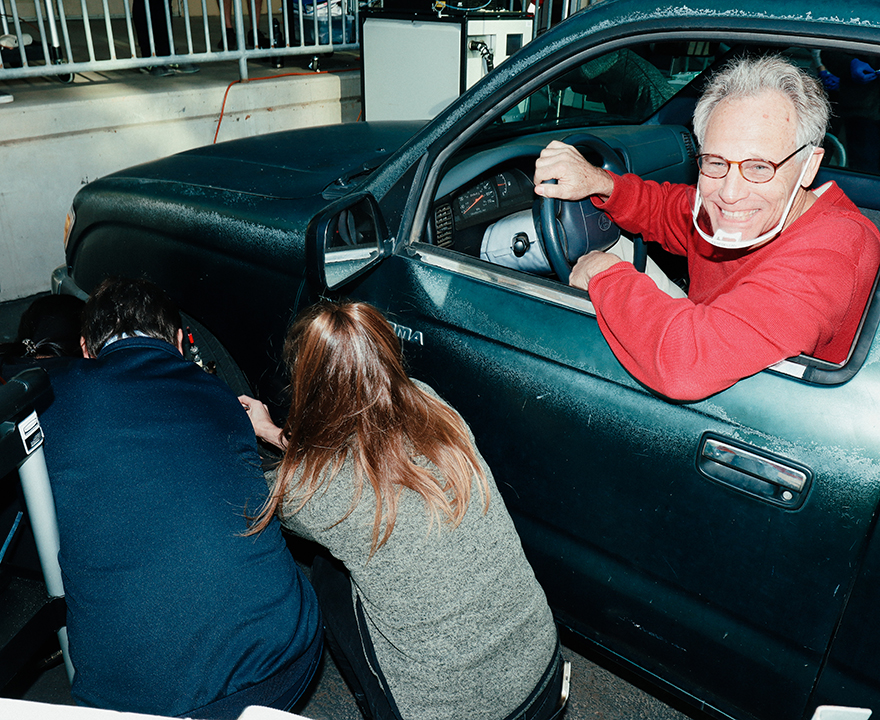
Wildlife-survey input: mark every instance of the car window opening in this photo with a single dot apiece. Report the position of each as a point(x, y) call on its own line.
point(628, 97)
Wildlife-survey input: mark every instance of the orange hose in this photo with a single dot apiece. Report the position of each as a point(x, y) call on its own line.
point(267, 77)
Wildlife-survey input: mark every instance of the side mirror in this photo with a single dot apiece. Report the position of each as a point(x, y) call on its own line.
point(344, 240)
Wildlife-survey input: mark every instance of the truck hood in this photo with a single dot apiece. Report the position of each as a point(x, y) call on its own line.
point(330, 160)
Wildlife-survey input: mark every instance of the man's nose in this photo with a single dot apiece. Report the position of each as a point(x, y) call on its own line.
point(733, 185)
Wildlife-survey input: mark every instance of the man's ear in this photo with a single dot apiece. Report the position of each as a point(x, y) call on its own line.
point(815, 161)
point(180, 340)
point(82, 344)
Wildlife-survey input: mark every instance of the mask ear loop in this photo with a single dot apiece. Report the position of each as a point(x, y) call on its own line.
point(734, 241)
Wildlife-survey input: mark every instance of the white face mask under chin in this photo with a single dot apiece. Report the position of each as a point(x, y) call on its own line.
point(733, 240)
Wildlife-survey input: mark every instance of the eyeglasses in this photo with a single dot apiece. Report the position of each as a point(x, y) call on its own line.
point(754, 170)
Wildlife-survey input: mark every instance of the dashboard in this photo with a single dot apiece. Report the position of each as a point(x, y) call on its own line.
point(460, 217)
point(486, 184)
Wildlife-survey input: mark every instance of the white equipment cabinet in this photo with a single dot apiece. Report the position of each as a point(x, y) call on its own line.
point(415, 65)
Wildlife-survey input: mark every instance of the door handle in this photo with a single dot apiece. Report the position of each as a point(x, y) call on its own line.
point(754, 471)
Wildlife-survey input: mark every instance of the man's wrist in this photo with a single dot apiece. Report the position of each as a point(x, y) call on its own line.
point(605, 196)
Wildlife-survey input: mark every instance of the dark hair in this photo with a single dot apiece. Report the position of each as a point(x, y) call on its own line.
point(49, 327)
point(351, 398)
point(130, 307)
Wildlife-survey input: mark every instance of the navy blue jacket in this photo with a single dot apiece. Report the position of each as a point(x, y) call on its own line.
point(154, 467)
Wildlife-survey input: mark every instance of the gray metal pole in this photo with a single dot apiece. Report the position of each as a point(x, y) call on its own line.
point(41, 509)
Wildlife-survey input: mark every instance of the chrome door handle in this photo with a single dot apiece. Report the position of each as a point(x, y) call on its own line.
point(753, 471)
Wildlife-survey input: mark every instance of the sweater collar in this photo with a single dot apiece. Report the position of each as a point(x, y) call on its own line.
point(138, 342)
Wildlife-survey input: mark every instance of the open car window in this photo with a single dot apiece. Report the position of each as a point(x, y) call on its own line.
point(637, 103)
point(486, 192)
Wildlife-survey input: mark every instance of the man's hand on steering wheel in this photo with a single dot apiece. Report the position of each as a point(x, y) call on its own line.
point(569, 224)
point(577, 178)
point(589, 265)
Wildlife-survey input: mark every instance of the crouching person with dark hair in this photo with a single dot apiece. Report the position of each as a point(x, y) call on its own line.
point(172, 609)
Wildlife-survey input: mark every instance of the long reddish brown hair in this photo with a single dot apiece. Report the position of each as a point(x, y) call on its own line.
point(352, 399)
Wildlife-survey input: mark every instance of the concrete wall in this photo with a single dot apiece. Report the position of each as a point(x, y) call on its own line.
point(53, 144)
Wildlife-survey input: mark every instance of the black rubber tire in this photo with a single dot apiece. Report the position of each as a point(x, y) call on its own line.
point(214, 357)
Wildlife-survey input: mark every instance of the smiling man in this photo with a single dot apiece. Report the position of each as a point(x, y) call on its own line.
point(776, 269)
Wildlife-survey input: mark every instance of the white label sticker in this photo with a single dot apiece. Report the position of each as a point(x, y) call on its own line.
point(31, 433)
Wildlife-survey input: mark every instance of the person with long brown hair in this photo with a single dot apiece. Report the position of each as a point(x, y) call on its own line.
point(436, 612)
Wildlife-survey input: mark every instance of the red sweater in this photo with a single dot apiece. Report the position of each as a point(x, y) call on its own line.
point(803, 292)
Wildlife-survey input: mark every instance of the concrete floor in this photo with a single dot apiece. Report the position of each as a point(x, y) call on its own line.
point(597, 693)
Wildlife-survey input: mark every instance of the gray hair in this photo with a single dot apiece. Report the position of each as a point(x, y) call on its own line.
point(751, 76)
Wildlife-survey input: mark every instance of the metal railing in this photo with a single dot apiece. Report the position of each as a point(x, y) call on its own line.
point(48, 38)
point(42, 38)
point(550, 12)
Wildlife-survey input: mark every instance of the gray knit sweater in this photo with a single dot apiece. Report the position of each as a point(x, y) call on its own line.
point(460, 626)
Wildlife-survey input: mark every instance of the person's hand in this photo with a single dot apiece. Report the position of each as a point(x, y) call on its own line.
point(577, 179)
point(861, 72)
point(590, 265)
point(829, 81)
point(259, 416)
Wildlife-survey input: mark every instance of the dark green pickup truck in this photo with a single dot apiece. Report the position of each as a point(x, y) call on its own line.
point(724, 549)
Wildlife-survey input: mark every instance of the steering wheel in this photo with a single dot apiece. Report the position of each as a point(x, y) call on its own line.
point(568, 230)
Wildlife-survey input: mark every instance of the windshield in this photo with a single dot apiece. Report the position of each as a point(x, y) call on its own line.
point(624, 86)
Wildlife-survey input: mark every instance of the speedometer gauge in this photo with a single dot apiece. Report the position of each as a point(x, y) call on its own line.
point(477, 200)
